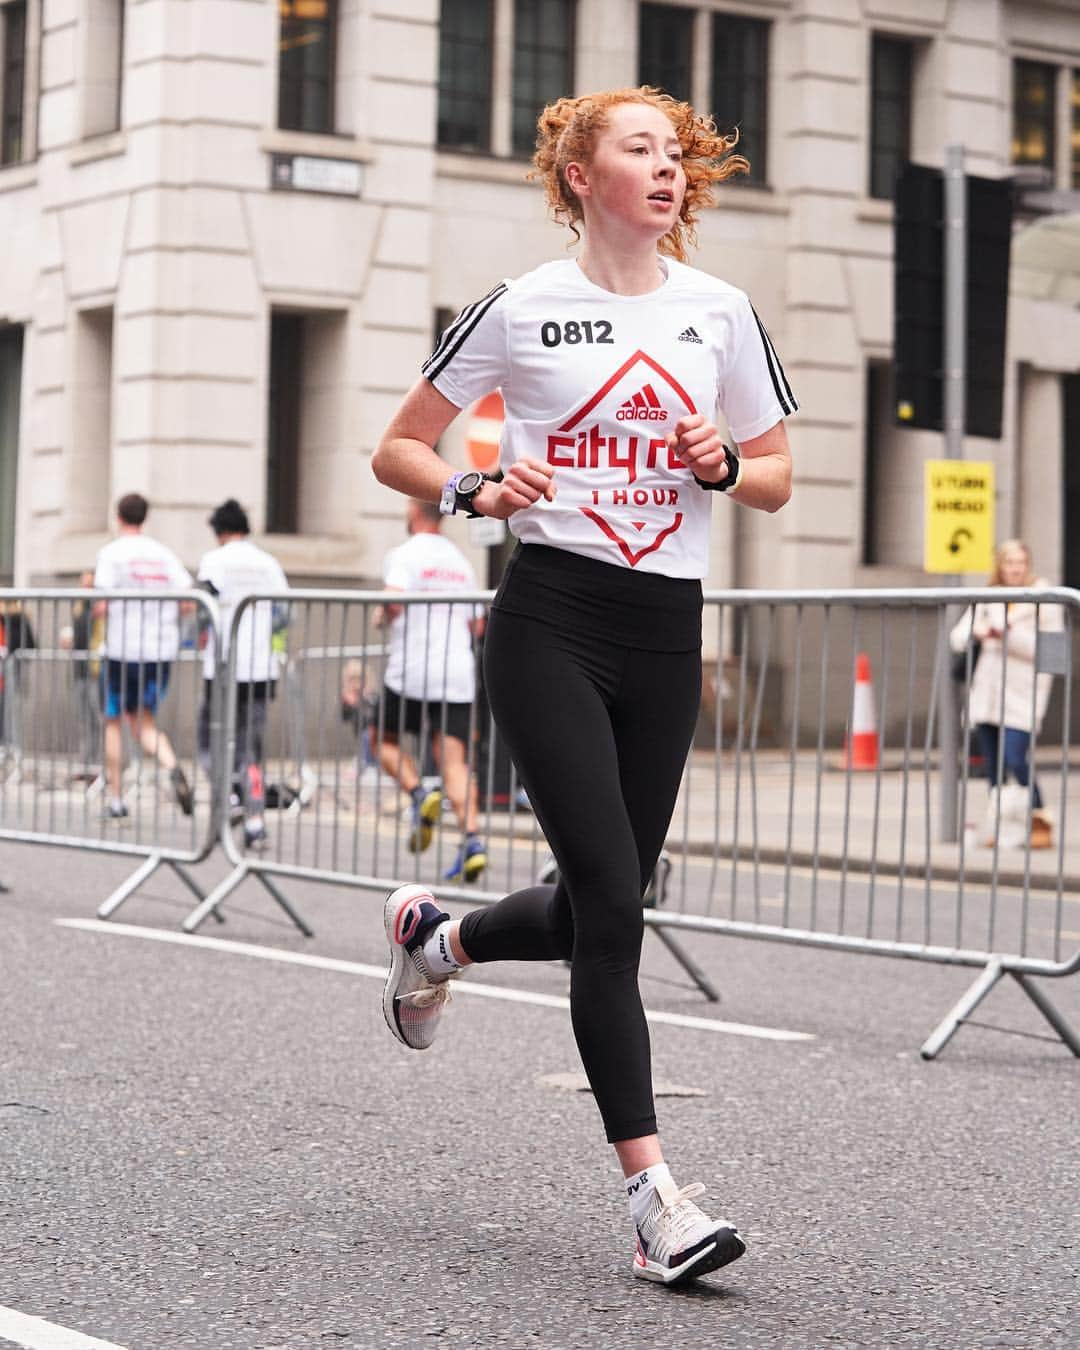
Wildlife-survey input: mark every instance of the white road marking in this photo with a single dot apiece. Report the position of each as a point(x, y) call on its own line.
point(34, 1333)
point(379, 973)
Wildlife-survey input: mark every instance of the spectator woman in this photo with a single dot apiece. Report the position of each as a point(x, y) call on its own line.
point(1008, 697)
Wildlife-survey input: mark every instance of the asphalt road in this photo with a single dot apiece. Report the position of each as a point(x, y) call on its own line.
point(204, 1150)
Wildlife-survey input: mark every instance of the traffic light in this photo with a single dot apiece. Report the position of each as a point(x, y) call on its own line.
point(919, 279)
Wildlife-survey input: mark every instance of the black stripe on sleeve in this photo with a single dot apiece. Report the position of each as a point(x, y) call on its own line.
point(451, 328)
point(456, 334)
point(784, 396)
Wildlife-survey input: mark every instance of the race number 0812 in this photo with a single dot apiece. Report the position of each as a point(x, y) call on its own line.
point(573, 332)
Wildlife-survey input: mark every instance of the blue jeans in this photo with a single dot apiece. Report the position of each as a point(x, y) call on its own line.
point(1016, 756)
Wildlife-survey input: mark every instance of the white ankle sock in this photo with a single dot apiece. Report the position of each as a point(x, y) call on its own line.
point(639, 1189)
point(440, 959)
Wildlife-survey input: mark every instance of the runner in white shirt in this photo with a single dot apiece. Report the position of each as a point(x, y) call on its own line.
point(234, 570)
point(142, 639)
point(430, 684)
point(614, 368)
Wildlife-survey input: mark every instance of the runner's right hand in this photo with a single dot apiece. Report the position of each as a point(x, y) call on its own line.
point(526, 482)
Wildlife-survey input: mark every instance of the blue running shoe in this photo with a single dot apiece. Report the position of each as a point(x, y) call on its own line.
point(412, 999)
point(470, 861)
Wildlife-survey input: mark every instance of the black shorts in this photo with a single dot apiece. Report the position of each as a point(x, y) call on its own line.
point(453, 718)
point(131, 685)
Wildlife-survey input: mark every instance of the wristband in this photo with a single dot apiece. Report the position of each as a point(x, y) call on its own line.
point(459, 491)
point(734, 473)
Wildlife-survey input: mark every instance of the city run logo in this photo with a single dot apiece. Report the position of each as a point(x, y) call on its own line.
point(643, 407)
point(574, 444)
point(689, 335)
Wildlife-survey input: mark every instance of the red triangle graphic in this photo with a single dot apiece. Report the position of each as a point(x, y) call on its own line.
point(638, 357)
point(638, 524)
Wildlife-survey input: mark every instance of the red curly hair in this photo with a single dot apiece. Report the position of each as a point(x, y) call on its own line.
point(566, 131)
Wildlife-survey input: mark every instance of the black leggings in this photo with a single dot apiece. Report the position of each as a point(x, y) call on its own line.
point(599, 734)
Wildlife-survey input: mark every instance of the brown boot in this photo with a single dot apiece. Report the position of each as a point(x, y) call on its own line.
point(1042, 832)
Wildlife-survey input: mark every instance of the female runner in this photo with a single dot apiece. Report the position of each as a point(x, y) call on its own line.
point(612, 366)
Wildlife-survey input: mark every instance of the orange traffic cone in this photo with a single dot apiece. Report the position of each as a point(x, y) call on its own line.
point(861, 748)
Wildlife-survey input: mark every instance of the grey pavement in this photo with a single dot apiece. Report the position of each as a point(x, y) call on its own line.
point(208, 1151)
point(780, 803)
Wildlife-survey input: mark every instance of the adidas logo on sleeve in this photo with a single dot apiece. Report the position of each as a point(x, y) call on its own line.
point(690, 335)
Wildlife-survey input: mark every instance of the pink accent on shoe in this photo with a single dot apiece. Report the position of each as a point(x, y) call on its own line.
point(409, 917)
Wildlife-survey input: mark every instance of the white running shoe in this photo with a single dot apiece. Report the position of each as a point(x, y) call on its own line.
point(676, 1241)
point(413, 999)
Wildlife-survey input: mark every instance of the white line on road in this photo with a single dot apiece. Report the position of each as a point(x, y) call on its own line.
point(379, 973)
point(35, 1333)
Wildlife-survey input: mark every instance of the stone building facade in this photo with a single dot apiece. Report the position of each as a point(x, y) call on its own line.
point(231, 226)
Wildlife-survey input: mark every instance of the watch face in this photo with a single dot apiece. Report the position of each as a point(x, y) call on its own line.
point(470, 483)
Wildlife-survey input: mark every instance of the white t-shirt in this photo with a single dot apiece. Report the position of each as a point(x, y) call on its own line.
point(593, 382)
point(139, 630)
point(431, 655)
point(235, 570)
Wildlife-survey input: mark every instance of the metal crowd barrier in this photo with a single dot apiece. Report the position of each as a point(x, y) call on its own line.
point(778, 833)
point(53, 780)
point(787, 828)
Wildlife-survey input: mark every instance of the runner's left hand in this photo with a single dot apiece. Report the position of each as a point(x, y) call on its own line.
point(697, 443)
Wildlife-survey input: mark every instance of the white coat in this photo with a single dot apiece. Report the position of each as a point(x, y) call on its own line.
point(1014, 659)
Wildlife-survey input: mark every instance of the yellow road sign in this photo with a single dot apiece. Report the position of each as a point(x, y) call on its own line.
point(959, 495)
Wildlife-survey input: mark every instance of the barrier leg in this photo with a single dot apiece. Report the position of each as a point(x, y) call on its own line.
point(193, 886)
point(1038, 997)
point(951, 1024)
point(307, 932)
point(222, 891)
point(128, 888)
point(688, 963)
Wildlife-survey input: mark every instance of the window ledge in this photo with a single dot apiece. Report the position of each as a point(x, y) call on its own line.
point(98, 147)
point(15, 176)
point(277, 142)
point(317, 555)
point(487, 168)
point(874, 208)
point(885, 576)
point(746, 198)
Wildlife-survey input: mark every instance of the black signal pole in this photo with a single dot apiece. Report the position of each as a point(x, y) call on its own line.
point(954, 394)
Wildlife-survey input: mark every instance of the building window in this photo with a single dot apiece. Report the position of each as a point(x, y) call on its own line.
point(543, 63)
point(306, 65)
point(890, 113)
point(465, 70)
point(1071, 493)
point(13, 32)
point(88, 494)
point(307, 450)
point(892, 486)
point(740, 54)
point(103, 85)
point(665, 48)
point(1034, 86)
point(283, 448)
point(874, 409)
point(11, 345)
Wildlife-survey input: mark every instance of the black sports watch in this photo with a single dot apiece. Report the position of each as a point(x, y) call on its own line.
point(734, 468)
point(459, 491)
